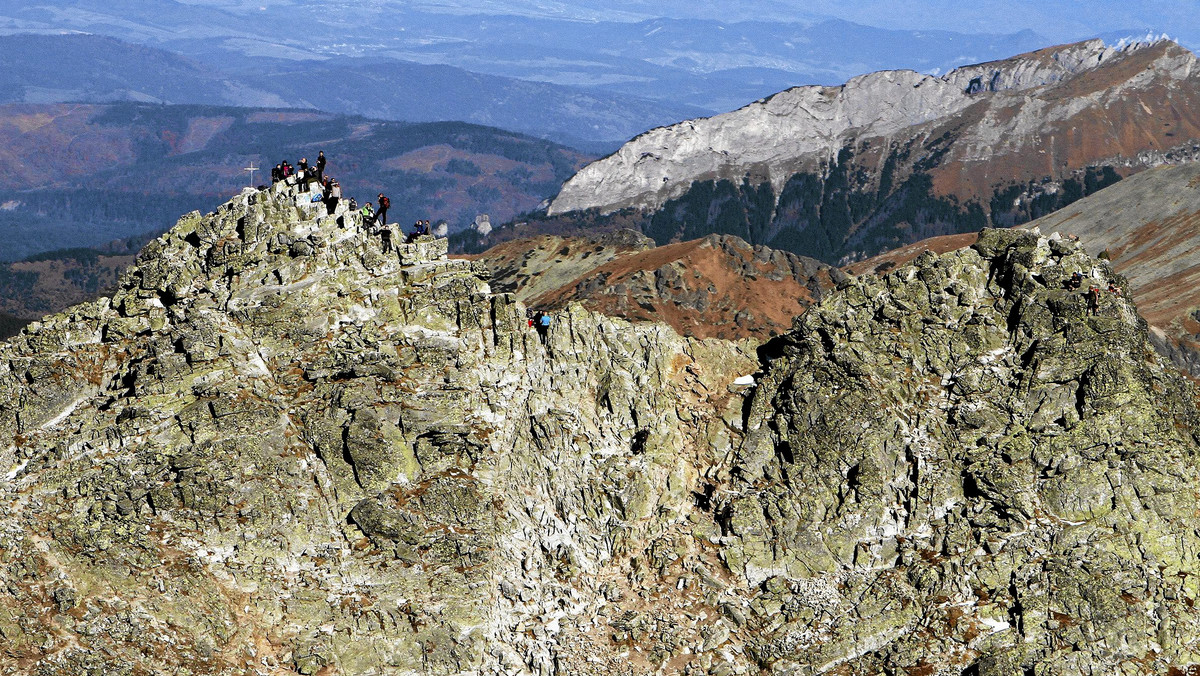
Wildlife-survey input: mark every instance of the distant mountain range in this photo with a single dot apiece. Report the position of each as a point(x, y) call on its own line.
point(96, 69)
point(82, 175)
point(602, 75)
point(889, 158)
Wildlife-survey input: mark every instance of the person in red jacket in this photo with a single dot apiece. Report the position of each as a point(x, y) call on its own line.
point(381, 214)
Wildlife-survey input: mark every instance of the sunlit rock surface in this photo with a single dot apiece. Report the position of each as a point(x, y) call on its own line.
point(279, 448)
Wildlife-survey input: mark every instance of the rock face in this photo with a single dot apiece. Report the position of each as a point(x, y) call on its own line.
point(840, 173)
point(1149, 227)
point(278, 449)
point(715, 287)
point(956, 469)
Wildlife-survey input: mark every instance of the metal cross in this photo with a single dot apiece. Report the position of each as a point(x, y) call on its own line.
point(251, 169)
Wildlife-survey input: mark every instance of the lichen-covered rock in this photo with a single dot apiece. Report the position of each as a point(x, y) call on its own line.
point(280, 449)
point(978, 473)
point(261, 456)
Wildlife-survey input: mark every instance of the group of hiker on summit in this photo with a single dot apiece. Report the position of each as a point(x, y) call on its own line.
point(303, 174)
point(374, 215)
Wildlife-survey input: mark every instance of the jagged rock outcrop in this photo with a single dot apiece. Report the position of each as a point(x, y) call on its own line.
point(957, 469)
point(279, 449)
point(1148, 226)
point(841, 173)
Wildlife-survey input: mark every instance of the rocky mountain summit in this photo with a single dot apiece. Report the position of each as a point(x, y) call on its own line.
point(279, 448)
point(841, 173)
point(1148, 226)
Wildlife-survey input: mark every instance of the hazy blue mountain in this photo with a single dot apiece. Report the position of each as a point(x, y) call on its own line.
point(395, 90)
point(675, 52)
point(91, 68)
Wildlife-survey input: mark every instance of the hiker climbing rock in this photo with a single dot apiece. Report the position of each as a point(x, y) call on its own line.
point(385, 235)
point(541, 322)
point(1093, 300)
point(384, 203)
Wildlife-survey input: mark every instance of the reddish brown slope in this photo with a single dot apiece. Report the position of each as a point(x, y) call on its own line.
point(716, 287)
point(1144, 101)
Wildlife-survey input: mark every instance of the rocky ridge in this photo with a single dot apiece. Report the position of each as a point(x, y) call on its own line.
point(813, 123)
point(715, 287)
point(889, 158)
point(1147, 226)
point(278, 448)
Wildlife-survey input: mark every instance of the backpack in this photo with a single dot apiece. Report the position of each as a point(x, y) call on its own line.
point(384, 203)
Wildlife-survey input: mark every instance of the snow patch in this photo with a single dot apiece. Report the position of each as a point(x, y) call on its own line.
point(64, 413)
point(16, 470)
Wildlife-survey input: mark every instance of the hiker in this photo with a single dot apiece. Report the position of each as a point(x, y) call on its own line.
point(303, 164)
point(385, 235)
point(541, 322)
point(332, 193)
point(384, 203)
point(276, 172)
point(353, 205)
point(1076, 281)
point(1114, 289)
point(320, 165)
point(1093, 300)
point(368, 214)
point(419, 228)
